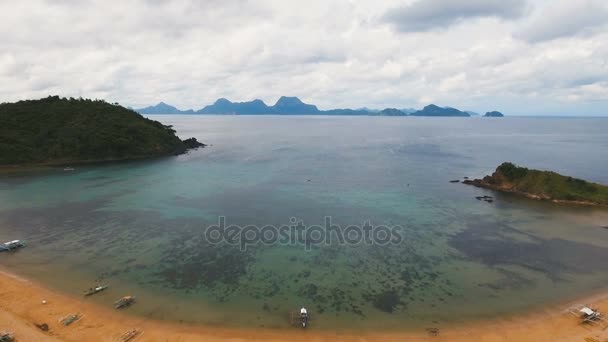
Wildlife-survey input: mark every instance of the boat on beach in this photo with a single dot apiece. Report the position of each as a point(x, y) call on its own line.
point(11, 245)
point(7, 336)
point(130, 335)
point(94, 290)
point(69, 319)
point(124, 302)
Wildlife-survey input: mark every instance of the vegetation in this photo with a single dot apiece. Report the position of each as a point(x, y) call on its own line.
point(391, 112)
point(544, 185)
point(494, 114)
point(57, 130)
point(433, 110)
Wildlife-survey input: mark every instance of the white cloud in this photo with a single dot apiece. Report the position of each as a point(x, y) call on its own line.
point(566, 18)
point(335, 53)
point(425, 15)
point(456, 82)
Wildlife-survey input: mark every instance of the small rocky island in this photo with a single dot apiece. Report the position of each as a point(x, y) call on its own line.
point(494, 114)
point(543, 185)
point(56, 131)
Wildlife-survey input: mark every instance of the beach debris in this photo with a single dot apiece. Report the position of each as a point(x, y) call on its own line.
point(44, 301)
point(94, 290)
point(130, 335)
point(433, 331)
point(7, 336)
point(43, 326)
point(124, 302)
point(587, 314)
point(591, 339)
point(69, 319)
point(11, 245)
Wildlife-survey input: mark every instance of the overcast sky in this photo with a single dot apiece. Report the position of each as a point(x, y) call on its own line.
point(517, 56)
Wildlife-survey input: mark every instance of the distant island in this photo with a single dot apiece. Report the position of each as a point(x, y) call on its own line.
point(494, 114)
point(391, 112)
point(294, 106)
point(433, 110)
point(543, 185)
point(56, 130)
point(163, 108)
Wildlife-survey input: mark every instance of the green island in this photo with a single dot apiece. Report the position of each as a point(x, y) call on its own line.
point(543, 185)
point(59, 131)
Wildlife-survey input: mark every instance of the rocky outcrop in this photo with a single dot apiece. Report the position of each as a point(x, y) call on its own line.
point(543, 185)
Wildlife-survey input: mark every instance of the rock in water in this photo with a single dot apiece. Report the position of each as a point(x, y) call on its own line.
point(192, 143)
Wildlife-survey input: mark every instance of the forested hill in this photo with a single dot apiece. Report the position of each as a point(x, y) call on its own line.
point(56, 130)
point(543, 185)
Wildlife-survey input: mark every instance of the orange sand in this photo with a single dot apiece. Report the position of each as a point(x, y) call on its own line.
point(21, 307)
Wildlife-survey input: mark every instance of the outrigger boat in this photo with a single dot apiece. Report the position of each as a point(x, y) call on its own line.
point(303, 317)
point(300, 318)
point(95, 290)
point(587, 314)
point(11, 245)
point(129, 335)
point(7, 336)
point(124, 302)
point(69, 319)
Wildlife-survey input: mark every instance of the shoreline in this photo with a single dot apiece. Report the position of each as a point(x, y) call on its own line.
point(21, 308)
point(85, 162)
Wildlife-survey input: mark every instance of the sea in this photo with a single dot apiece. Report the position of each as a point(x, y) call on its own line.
point(247, 230)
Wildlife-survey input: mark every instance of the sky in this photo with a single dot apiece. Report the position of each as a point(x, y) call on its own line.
point(522, 57)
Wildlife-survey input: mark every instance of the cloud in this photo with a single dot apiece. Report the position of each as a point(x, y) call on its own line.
point(189, 53)
point(565, 19)
point(426, 15)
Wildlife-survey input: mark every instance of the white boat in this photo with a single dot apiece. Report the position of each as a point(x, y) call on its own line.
point(95, 290)
point(11, 245)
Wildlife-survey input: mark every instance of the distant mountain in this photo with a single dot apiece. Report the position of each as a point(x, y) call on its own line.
point(224, 106)
point(433, 110)
point(370, 110)
point(494, 114)
point(391, 112)
point(471, 113)
point(163, 108)
point(408, 110)
point(285, 105)
point(294, 106)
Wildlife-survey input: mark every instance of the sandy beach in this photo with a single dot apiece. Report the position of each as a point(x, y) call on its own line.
point(21, 308)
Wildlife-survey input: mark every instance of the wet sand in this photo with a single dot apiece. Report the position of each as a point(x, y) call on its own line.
point(21, 308)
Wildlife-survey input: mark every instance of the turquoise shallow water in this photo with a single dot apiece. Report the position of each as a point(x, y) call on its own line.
point(139, 226)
